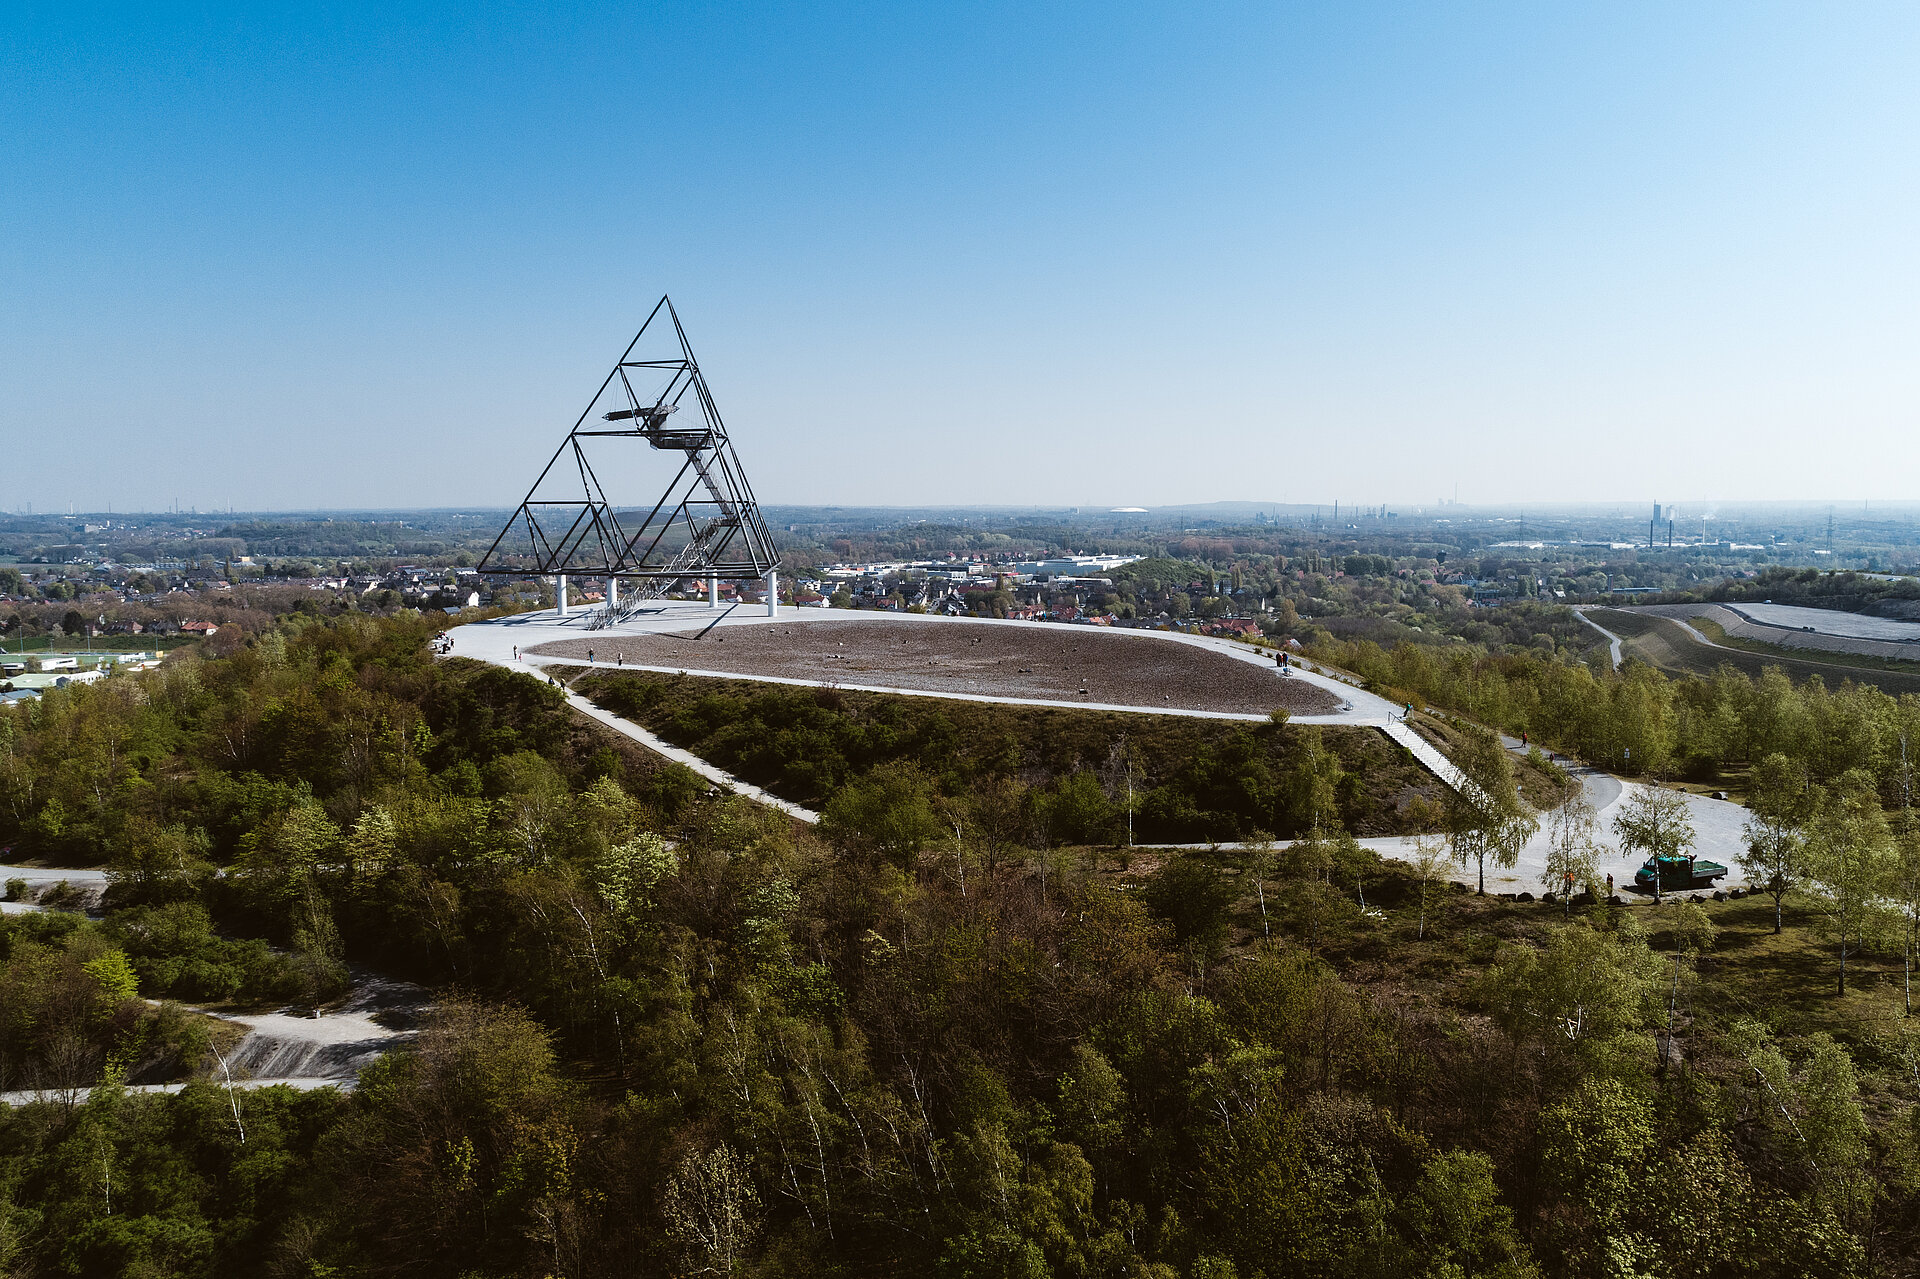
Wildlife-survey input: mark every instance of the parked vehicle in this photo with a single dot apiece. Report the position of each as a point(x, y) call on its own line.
point(1678, 873)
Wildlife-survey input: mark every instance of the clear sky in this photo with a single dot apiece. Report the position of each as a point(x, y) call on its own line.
point(1108, 254)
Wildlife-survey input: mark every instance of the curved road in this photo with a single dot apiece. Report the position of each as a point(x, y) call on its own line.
point(1613, 641)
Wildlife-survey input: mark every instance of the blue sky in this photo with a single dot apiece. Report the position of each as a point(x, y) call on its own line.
point(1085, 254)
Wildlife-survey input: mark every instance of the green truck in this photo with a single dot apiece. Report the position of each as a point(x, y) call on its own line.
point(1679, 873)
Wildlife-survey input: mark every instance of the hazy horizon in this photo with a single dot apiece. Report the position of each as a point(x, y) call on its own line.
point(1633, 509)
point(380, 259)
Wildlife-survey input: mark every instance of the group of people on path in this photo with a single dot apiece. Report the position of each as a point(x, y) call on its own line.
point(619, 659)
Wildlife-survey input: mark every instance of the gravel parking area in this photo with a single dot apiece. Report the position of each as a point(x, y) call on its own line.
point(1075, 664)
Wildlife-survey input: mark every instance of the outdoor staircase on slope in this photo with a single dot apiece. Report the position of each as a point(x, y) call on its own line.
point(1429, 755)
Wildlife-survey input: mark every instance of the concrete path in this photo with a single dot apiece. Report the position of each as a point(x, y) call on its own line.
point(74, 1096)
point(1717, 828)
point(718, 776)
point(543, 661)
point(41, 876)
point(505, 641)
point(1613, 641)
point(92, 883)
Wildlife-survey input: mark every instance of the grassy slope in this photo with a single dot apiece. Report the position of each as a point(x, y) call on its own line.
point(1661, 642)
point(1538, 786)
point(1862, 661)
point(1786, 981)
point(1048, 742)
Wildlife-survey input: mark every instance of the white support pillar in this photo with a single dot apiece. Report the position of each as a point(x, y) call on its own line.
point(560, 593)
point(773, 592)
point(713, 592)
point(613, 592)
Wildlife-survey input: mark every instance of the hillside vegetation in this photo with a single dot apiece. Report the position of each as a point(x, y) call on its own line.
point(677, 1035)
point(1068, 773)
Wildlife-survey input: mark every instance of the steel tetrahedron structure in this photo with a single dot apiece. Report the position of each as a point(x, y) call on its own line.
point(705, 524)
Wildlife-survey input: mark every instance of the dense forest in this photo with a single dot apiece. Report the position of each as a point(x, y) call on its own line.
point(678, 1034)
point(1641, 721)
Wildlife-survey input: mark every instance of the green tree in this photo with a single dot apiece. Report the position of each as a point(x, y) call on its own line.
point(1430, 855)
point(156, 864)
point(1851, 864)
point(1588, 991)
point(1574, 848)
point(1463, 1228)
point(1076, 810)
point(1594, 1151)
point(1815, 1114)
point(712, 1210)
point(1654, 822)
point(1777, 799)
point(1191, 895)
point(1487, 820)
point(886, 813)
point(116, 979)
point(1692, 932)
point(626, 875)
point(1904, 893)
point(463, 1155)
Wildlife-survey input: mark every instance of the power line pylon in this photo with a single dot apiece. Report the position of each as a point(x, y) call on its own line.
point(704, 525)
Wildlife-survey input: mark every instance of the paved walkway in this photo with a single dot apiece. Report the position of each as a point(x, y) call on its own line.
point(74, 1096)
point(91, 883)
point(1717, 826)
point(718, 776)
point(504, 641)
point(1613, 641)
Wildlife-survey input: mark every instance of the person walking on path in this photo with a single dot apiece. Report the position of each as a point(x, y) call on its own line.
point(589, 657)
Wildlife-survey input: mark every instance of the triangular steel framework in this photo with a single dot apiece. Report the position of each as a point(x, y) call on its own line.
point(705, 524)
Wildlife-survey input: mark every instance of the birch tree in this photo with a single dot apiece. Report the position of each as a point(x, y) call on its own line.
point(1486, 818)
point(1574, 847)
point(1851, 865)
point(1775, 832)
point(1654, 821)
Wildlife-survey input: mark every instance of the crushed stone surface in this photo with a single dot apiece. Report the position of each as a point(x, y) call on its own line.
point(1052, 663)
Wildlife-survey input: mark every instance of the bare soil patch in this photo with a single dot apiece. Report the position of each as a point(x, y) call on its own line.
point(1071, 664)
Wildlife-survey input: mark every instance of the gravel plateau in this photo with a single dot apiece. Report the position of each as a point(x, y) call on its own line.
point(1051, 663)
